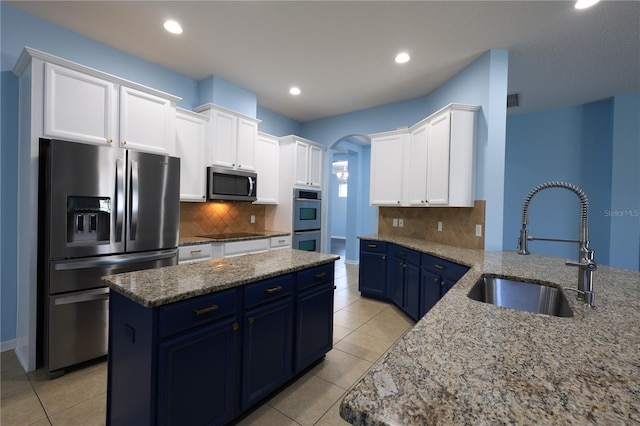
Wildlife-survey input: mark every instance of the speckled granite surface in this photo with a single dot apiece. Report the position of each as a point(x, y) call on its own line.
point(468, 362)
point(203, 240)
point(156, 287)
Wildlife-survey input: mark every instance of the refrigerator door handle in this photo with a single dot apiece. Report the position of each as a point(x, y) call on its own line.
point(112, 260)
point(88, 296)
point(135, 195)
point(119, 200)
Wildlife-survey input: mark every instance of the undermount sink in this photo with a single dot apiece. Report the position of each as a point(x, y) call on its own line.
point(521, 295)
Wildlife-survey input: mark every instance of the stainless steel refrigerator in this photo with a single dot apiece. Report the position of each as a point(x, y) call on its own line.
point(102, 210)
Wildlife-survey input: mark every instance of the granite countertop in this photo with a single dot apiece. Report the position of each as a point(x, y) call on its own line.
point(468, 362)
point(183, 241)
point(156, 287)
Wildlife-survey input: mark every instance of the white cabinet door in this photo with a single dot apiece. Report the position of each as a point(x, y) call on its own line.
point(387, 170)
point(267, 168)
point(315, 166)
point(191, 137)
point(302, 163)
point(247, 134)
point(223, 138)
point(438, 136)
point(79, 107)
point(146, 122)
point(417, 171)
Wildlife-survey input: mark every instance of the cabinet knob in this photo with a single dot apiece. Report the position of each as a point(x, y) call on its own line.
point(251, 320)
point(204, 198)
point(109, 140)
point(124, 142)
point(435, 280)
point(442, 283)
point(235, 326)
point(240, 165)
point(398, 202)
point(384, 257)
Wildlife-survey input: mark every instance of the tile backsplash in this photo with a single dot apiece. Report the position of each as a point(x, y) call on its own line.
point(216, 218)
point(458, 224)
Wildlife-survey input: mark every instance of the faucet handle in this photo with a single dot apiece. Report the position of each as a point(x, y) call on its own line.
point(587, 263)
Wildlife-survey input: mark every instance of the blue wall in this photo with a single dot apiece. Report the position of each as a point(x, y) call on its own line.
point(595, 146)
point(277, 124)
point(624, 210)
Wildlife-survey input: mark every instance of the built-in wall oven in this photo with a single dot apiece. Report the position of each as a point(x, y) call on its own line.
point(307, 216)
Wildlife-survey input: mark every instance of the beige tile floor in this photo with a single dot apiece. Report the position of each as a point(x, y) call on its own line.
point(363, 331)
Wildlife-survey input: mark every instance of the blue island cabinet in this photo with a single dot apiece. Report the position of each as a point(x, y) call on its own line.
point(208, 359)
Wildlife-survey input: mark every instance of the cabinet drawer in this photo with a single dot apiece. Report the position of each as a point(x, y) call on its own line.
point(313, 276)
point(268, 290)
point(281, 242)
point(181, 316)
point(445, 268)
point(373, 246)
point(406, 254)
point(194, 253)
point(238, 248)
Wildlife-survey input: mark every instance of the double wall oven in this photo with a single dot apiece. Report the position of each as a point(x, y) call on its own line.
point(307, 216)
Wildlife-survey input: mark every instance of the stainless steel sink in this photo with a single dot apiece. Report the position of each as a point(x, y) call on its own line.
point(521, 295)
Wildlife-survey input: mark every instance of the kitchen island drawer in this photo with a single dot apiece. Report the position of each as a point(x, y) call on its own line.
point(280, 242)
point(313, 276)
point(268, 290)
point(182, 316)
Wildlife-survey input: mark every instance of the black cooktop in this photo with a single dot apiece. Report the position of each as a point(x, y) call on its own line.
point(231, 235)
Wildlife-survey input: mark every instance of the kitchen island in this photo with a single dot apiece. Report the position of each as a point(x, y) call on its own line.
point(469, 362)
point(201, 343)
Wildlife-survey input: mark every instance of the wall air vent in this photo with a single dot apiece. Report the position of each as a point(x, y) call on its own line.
point(513, 100)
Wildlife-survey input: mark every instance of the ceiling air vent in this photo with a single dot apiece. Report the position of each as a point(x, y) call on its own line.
point(513, 100)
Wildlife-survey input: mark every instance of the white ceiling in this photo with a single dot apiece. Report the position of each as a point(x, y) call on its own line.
point(341, 53)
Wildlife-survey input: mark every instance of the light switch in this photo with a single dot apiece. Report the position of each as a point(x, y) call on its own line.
point(395, 223)
point(253, 218)
point(400, 223)
point(439, 226)
point(478, 230)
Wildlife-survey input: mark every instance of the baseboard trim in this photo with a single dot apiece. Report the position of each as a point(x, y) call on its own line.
point(8, 345)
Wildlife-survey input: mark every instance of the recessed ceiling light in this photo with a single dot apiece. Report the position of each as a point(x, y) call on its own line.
point(173, 27)
point(403, 58)
point(295, 91)
point(583, 4)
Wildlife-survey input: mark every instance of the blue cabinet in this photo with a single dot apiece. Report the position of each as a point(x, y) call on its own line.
point(197, 376)
point(414, 281)
point(372, 280)
point(267, 337)
point(207, 360)
point(404, 279)
point(314, 315)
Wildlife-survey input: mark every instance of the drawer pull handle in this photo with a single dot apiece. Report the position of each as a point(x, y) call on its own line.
point(373, 245)
point(320, 275)
point(274, 289)
point(282, 241)
point(439, 266)
point(196, 251)
point(205, 310)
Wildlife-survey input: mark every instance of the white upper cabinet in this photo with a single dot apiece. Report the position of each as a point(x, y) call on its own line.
point(267, 167)
point(146, 122)
point(437, 180)
point(308, 164)
point(232, 137)
point(190, 146)
point(388, 151)
point(79, 107)
point(417, 177)
point(84, 107)
point(431, 164)
point(451, 167)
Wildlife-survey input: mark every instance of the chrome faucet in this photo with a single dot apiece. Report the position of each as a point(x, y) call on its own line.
point(586, 265)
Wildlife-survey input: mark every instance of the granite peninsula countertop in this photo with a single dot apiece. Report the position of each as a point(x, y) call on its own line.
point(156, 287)
point(238, 236)
point(468, 362)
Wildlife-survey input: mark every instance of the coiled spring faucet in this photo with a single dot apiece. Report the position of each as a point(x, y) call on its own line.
point(586, 265)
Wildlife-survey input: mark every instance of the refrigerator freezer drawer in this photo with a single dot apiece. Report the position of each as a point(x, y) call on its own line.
point(79, 326)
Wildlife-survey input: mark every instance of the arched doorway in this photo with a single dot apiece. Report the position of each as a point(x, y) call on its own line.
point(350, 215)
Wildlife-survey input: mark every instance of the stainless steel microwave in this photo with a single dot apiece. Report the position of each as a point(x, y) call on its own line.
point(232, 185)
